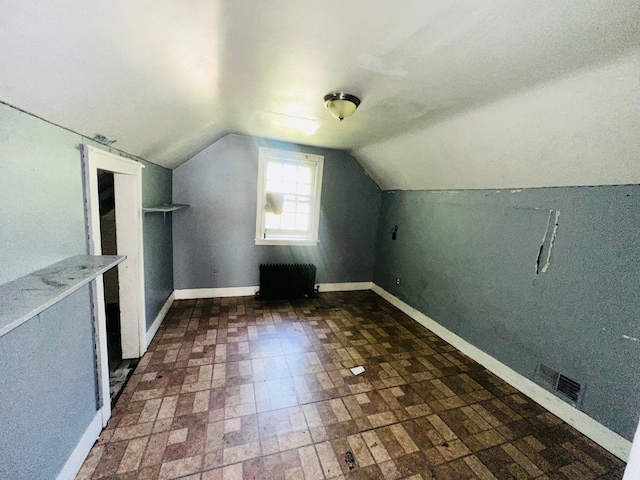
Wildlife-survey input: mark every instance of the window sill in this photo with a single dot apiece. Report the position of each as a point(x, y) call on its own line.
point(277, 241)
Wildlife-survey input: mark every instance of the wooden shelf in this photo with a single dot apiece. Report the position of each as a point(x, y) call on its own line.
point(165, 208)
point(27, 296)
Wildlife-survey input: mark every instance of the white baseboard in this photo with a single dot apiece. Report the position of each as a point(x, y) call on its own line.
point(190, 294)
point(153, 329)
point(597, 432)
point(343, 287)
point(632, 472)
point(80, 453)
point(193, 293)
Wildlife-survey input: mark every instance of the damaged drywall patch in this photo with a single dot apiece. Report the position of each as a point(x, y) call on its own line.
point(553, 237)
point(548, 239)
point(543, 244)
point(98, 137)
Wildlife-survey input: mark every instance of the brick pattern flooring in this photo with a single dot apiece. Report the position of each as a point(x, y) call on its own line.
point(235, 388)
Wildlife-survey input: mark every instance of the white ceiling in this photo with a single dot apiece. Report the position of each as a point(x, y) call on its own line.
point(165, 78)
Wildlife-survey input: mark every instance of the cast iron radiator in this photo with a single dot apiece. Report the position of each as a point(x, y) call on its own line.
point(287, 281)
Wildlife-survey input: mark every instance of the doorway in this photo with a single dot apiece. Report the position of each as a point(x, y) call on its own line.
point(120, 369)
point(118, 301)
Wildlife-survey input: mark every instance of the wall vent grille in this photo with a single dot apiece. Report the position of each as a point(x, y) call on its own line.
point(568, 387)
point(551, 380)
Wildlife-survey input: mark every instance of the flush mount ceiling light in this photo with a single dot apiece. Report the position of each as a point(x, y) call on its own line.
point(341, 105)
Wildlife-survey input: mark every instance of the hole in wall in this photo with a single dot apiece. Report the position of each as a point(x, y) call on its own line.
point(543, 260)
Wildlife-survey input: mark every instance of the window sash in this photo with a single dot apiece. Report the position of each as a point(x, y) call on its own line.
point(300, 181)
point(306, 199)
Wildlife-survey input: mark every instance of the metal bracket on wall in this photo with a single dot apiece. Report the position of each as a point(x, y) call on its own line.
point(166, 208)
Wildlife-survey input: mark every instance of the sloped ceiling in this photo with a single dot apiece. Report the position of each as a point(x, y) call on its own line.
point(166, 78)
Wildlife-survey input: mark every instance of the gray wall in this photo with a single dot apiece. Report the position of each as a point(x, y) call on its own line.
point(47, 393)
point(47, 372)
point(214, 238)
point(158, 245)
point(467, 259)
point(47, 379)
point(41, 210)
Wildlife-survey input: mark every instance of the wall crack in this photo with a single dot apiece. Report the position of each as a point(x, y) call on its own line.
point(546, 247)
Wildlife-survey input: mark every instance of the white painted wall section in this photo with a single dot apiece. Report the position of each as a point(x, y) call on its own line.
point(580, 130)
point(169, 78)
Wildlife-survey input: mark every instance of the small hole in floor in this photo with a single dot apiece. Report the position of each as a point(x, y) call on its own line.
point(350, 460)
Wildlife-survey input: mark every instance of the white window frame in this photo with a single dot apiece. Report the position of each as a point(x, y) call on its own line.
point(266, 154)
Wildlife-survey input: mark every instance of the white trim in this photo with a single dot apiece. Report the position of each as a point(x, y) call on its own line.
point(79, 455)
point(121, 162)
point(128, 195)
point(194, 293)
point(153, 329)
point(632, 472)
point(276, 241)
point(344, 287)
point(102, 349)
point(128, 200)
point(597, 432)
point(111, 162)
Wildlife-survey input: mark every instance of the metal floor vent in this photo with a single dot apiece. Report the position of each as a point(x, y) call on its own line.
point(552, 380)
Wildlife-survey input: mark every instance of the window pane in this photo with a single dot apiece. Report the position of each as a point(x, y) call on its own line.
point(288, 221)
point(272, 221)
point(304, 175)
point(288, 187)
point(302, 222)
point(274, 171)
point(304, 189)
point(289, 173)
point(289, 178)
point(275, 186)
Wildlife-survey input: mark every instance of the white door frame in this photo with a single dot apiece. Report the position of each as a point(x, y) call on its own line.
point(632, 472)
point(127, 177)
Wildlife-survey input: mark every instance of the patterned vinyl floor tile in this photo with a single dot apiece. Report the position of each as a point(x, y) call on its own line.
point(237, 388)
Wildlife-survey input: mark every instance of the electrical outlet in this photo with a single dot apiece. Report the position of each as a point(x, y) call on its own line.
point(398, 281)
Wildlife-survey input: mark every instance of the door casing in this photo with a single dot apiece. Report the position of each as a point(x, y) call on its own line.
point(127, 176)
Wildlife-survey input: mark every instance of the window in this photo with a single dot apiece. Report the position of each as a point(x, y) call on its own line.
point(288, 207)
